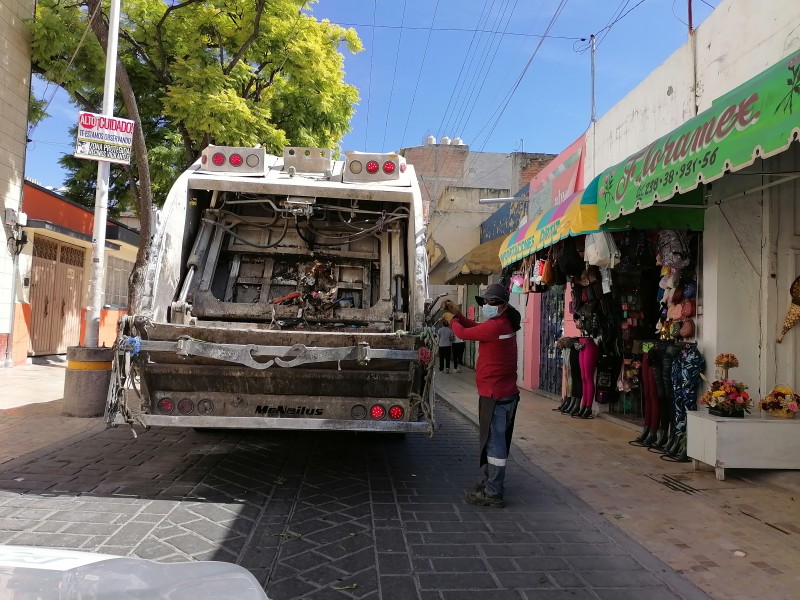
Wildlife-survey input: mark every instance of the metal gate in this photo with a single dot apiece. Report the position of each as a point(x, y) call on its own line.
point(56, 289)
point(551, 328)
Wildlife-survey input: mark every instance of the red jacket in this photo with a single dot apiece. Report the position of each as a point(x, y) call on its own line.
point(496, 370)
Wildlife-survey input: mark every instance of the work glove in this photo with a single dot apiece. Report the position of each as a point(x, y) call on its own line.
point(451, 307)
point(447, 317)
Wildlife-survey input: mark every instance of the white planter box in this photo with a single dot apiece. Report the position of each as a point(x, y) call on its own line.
point(757, 441)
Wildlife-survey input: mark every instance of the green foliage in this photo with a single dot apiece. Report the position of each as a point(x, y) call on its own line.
point(224, 72)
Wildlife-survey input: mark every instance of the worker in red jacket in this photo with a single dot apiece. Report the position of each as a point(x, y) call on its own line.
point(496, 380)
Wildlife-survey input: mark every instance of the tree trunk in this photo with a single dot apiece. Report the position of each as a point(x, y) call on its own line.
point(144, 197)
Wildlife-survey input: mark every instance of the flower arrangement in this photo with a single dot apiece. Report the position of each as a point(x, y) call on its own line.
point(781, 401)
point(725, 362)
point(727, 396)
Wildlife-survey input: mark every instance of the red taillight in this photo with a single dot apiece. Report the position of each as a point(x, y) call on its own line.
point(185, 406)
point(402, 167)
point(218, 158)
point(377, 412)
point(236, 160)
point(396, 413)
point(389, 167)
point(165, 405)
point(372, 167)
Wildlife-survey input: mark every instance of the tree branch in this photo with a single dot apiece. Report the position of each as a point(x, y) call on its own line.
point(160, 25)
point(249, 42)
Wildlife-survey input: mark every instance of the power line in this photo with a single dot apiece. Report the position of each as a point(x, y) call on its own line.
point(480, 87)
point(499, 112)
point(460, 29)
point(369, 84)
point(394, 76)
point(419, 74)
point(458, 78)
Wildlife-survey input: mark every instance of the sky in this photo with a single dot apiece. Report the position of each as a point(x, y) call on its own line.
point(474, 69)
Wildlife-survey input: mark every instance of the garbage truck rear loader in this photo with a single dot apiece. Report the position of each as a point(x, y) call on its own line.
point(282, 293)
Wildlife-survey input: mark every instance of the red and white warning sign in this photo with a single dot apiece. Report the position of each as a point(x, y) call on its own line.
point(103, 137)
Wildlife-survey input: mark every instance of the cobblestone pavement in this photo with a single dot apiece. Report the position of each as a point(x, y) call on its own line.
point(328, 515)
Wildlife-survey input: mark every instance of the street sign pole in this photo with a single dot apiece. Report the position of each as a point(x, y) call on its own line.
point(92, 337)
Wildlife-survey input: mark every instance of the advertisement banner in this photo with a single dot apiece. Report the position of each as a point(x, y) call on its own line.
point(753, 121)
point(561, 178)
point(104, 138)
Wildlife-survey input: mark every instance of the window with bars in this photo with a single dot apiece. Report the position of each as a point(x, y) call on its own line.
point(116, 282)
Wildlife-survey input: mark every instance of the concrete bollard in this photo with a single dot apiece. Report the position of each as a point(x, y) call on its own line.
point(86, 381)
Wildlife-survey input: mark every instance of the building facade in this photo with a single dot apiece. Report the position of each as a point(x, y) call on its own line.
point(15, 78)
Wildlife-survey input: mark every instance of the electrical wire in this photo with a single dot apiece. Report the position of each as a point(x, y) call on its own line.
point(481, 86)
point(394, 75)
point(499, 112)
point(419, 74)
point(461, 71)
point(369, 84)
point(459, 29)
point(69, 64)
point(475, 74)
point(234, 235)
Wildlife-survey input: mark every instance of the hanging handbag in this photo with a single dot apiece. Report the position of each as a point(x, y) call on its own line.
point(548, 276)
point(688, 308)
point(687, 328)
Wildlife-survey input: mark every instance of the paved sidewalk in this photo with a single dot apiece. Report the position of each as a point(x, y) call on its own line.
point(31, 400)
point(736, 539)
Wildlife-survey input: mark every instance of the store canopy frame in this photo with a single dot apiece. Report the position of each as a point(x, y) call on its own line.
point(752, 121)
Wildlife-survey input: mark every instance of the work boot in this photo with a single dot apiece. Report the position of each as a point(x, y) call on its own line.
point(480, 486)
point(568, 406)
point(650, 439)
point(483, 499)
point(575, 409)
point(561, 406)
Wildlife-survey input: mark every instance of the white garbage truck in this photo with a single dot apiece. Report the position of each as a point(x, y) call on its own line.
point(282, 293)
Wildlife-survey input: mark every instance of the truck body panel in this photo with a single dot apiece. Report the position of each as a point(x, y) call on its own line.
point(287, 299)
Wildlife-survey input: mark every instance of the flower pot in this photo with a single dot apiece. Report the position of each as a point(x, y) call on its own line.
point(718, 412)
point(781, 413)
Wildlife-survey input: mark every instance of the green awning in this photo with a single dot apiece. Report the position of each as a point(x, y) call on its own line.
point(755, 120)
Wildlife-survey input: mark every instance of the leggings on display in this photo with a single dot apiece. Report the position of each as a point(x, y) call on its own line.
point(589, 356)
point(686, 369)
point(667, 356)
point(575, 372)
point(652, 410)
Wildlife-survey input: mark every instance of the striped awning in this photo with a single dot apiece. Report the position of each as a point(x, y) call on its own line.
point(577, 215)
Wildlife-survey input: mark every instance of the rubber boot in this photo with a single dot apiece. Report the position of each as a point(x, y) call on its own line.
point(586, 413)
point(675, 447)
point(572, 402)
point(645, 432)
point(650, 438)
point(664, 438)
point(564, 401)
point(581, 412)
point(575, 409)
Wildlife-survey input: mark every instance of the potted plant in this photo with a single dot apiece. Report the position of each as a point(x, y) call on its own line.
point(781, 402)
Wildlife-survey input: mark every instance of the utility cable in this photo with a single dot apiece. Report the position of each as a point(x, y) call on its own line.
point(499, 112)
point(419, 74)
point(69, 64)
point(369, 84)
point(394, 75)
point(459, 29)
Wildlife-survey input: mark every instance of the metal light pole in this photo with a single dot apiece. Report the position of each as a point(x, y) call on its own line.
point(92, 337)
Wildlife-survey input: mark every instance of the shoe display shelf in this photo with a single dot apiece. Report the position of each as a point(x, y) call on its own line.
point(756, 441)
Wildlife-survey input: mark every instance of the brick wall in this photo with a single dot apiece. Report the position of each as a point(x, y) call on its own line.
point(527, 166)
point(14, 83)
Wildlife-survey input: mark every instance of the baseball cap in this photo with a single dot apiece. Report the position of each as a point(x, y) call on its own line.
point(493, 292)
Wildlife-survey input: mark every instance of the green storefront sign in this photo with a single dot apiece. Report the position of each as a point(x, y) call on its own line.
point(760, 118)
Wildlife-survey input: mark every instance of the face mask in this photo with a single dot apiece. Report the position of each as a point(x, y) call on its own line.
point(488, 311)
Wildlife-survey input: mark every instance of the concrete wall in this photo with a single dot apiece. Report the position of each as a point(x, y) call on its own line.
point(737, 41)
point(14, 89)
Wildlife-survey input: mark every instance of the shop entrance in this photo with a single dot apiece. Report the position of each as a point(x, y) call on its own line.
point(56, 286)
point(550, 330)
